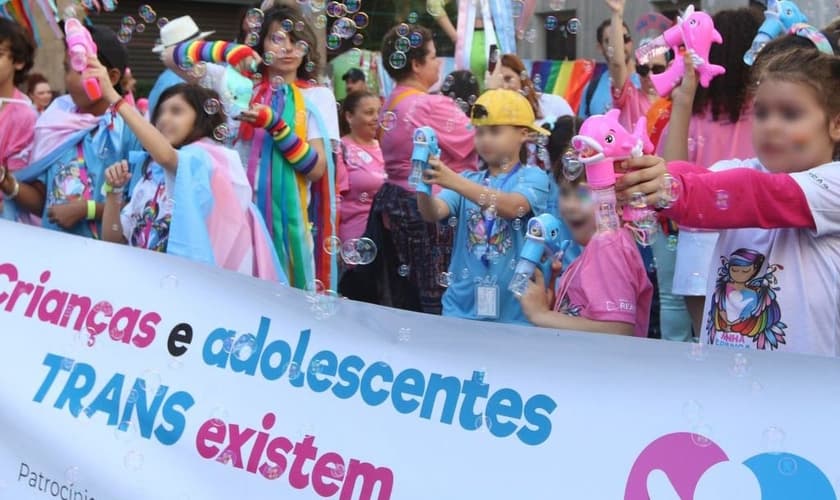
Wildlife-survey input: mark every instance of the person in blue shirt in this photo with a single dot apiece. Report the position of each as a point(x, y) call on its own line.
point(489, 208)
point(598, 100)
point(76, 138)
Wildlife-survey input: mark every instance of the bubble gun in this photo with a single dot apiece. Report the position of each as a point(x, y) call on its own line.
point(779, 18)
point(542, 242)
point(425, 146)
point(79, 47)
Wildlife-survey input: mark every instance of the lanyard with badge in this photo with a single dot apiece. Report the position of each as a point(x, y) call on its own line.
point(487, 298)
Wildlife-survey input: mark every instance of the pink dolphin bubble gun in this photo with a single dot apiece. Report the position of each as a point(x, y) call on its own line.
point(695, 32)
point(80, 46)
point(601, 142)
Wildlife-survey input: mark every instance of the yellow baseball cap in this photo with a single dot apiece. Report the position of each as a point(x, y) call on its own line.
point(505, 107)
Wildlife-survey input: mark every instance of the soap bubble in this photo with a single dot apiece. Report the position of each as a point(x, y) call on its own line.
point(573, 26)
point(669, 192)
point(344, 27)
point(404, 334)
point(388, 121)
point(740, 365)
point(252, 39)
point(358, 39)
point(412, 18)
point(333, 41)
point(279, 37)
point(397, 59)
point(302, 48)
point(404, 270)
point(162, 22)
point(358, 251)
point(361, 20)
point(277, 82)
point(722, 199)
point(321, 21)
point(335, 9)
point(516, 224)
point(551, 23)
point(221, 133)
point(140, 28)
point(287, 25)
point(133, 460)
point(445, 279)
point(517, 6)
point(637, 200)
point(773, 439)
point(672, 242)
point(572, 166)
point(299, 26)
point(169, 282)
point(403, 29)
point(254, 18)
point(128, 22)
point(211, 106)
point(147, 13)
point(352, 6)
point(124, 35)
point(453, 221)
point(700, 435)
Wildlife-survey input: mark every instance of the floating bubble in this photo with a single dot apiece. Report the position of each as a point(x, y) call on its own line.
point(212, 106)
point(358, 39)
point(302, 48)
point(287, 25)
point(254, 18)
point(773, 439)
point(531, 35)
point(169, 282)
point(669, 192)
point(398, 60)
point(333, 41)
point(517, 6)
point(672, 242)
point(388, 120)
point(133, 460)
point(147, 13)
point(482, 199)
point(124, 35)
point(243, 348)
point(412, 18)
point(573, 26)
point(252, 39)
point(361, 20)
point(335, 9)
point(364, 197)
point(722, 200)
point(162, 22)
point(221, 133)
point(403, 29)
point(402, 44)
point(199, 70)
point(352, 6)
point(279, 37)
point(638, 200)
point(317, 5)
point(257, 78)
point(140, 28)
point(320, 21)
point(516, 224)
point(788, 465)
point(332, 245)
point(572, 166)
point(551, 23)
point(403, 270)
point(128, 22)
point(700, 435)
point(344, 27)
point(445, 279)
point(360, 251)
point(453, 221)
point(740, 365)
point(294, 371)
point(299, 26)
point(465, 273)
point(218, 416)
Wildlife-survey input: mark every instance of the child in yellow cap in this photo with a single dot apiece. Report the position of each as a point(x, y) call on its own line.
point(489, 208)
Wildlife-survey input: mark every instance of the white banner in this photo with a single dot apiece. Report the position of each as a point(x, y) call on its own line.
point(133, 375)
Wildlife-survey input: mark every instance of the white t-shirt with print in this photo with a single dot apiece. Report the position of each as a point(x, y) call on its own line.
point(778, 289)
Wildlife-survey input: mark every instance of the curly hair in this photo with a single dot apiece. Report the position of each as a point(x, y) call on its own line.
point(728, 94)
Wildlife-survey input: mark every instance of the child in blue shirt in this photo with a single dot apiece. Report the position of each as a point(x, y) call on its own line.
point(76, 138)
point(490, 209)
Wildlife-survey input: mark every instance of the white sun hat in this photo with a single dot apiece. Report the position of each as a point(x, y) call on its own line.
point(182, 29)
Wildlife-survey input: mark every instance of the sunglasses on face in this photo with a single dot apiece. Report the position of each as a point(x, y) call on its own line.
point(645, 69)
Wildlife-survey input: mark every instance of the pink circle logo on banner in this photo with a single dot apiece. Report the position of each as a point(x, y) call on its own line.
point(684, 457)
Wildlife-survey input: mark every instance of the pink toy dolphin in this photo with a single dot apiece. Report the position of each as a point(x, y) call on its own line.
point(602, 141)
point(695, 31)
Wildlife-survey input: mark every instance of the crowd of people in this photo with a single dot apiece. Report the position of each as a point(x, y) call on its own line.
point(245, 161)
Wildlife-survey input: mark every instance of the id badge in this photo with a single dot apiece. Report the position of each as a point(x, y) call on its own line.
point(486, 301)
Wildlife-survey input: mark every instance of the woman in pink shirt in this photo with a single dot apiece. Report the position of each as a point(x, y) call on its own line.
point(713, 125)
point(361, 169)
point(634, 102)
point(420, 251)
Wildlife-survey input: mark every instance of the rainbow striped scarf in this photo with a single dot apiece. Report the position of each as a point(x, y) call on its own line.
point(281, 194)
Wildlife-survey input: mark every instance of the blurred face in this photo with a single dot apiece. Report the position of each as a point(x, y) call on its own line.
point(499, 145)
point(7, 65)
point(364, 120)
point(628, 44)
point(357, 86)
point(287, 56)
point(176, 120)
point(428, 72)
point(576, 210)
point(73, 84)
point(512, 80)
point(791, 132)
point(42, 95)
point(655, 66)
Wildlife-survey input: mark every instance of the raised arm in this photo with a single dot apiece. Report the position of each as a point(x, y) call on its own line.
point(617, 62)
